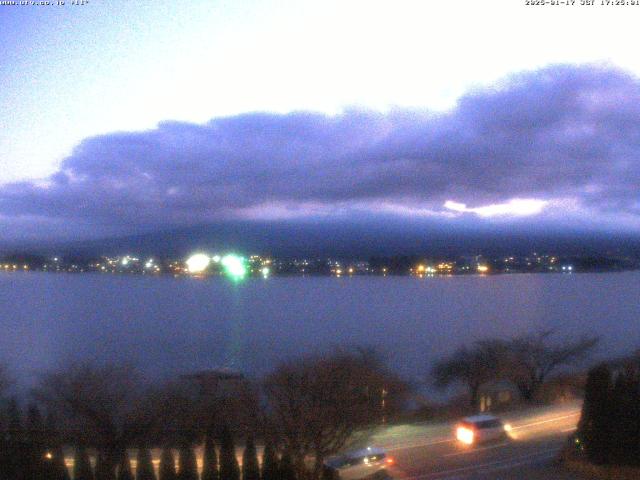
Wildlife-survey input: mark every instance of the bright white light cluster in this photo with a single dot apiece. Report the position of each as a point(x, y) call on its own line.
point(197, 263)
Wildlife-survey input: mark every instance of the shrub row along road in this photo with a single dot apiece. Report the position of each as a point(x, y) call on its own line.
point(430, 451)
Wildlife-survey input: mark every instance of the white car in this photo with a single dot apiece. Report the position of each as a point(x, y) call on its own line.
point(363, 464)
point(481, 428)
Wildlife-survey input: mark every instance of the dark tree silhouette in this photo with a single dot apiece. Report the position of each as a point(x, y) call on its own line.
point(229, 469)
point(56, 468)
point(610, 422)
point(471, 367)
point(625, 421)
point(25, 443)
point(269, 462)
point(15, 429)
point(318, 403)
point(167, 465)
point(34, 445)
point(329, 473)
point(102, 399)
point(286, 471)
point(35, 431)
point(144, 468)
point(60, 471)
point(104, 470)
point(82, 466)
point(14, 458)
point(534, 357)
point(124, 467)
point(250, 467)
point(527, 361)
point(210, 458)
point(188, 465)
point(595, 422)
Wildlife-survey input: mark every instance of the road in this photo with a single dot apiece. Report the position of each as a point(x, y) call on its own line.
point(430, 452)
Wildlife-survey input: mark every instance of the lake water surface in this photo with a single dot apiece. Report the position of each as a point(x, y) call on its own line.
point(171, 325)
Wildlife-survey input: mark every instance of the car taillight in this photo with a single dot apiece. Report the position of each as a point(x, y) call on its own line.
point(389, 461)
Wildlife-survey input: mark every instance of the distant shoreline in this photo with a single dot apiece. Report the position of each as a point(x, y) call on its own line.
point(317, 275)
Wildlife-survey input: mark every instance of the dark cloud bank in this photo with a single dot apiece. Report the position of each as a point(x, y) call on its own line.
point(565, 135)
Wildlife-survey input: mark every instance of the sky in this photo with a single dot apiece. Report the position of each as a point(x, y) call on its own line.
point(120, 117)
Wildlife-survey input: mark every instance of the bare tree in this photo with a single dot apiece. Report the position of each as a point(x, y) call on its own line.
point(100, 403)
point(185, 415)
point(527, 361)
point(318, 403)
point(482, 362)
point(176, 413)
point(534, 357)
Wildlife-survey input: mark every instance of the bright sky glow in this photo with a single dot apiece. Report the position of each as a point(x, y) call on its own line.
point(117, 66)
point(516, 207)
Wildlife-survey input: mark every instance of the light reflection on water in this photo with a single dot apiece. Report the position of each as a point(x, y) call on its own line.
point(171, 325)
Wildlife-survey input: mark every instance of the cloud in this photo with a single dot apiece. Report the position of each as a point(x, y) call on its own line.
point(562, 134)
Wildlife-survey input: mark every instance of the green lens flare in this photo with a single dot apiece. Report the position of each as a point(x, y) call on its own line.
point(234, 266)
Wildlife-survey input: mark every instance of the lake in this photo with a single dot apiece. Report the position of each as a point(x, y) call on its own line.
point(169, 325)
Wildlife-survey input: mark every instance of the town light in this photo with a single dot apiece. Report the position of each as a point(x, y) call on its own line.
point(197, 263)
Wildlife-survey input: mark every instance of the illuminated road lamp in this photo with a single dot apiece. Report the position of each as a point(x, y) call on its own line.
point(197, 263)
point(265, 272)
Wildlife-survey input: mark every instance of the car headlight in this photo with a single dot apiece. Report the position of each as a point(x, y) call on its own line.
point(465, 435)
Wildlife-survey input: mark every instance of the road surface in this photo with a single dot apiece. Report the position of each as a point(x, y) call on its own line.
point(430, 452)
